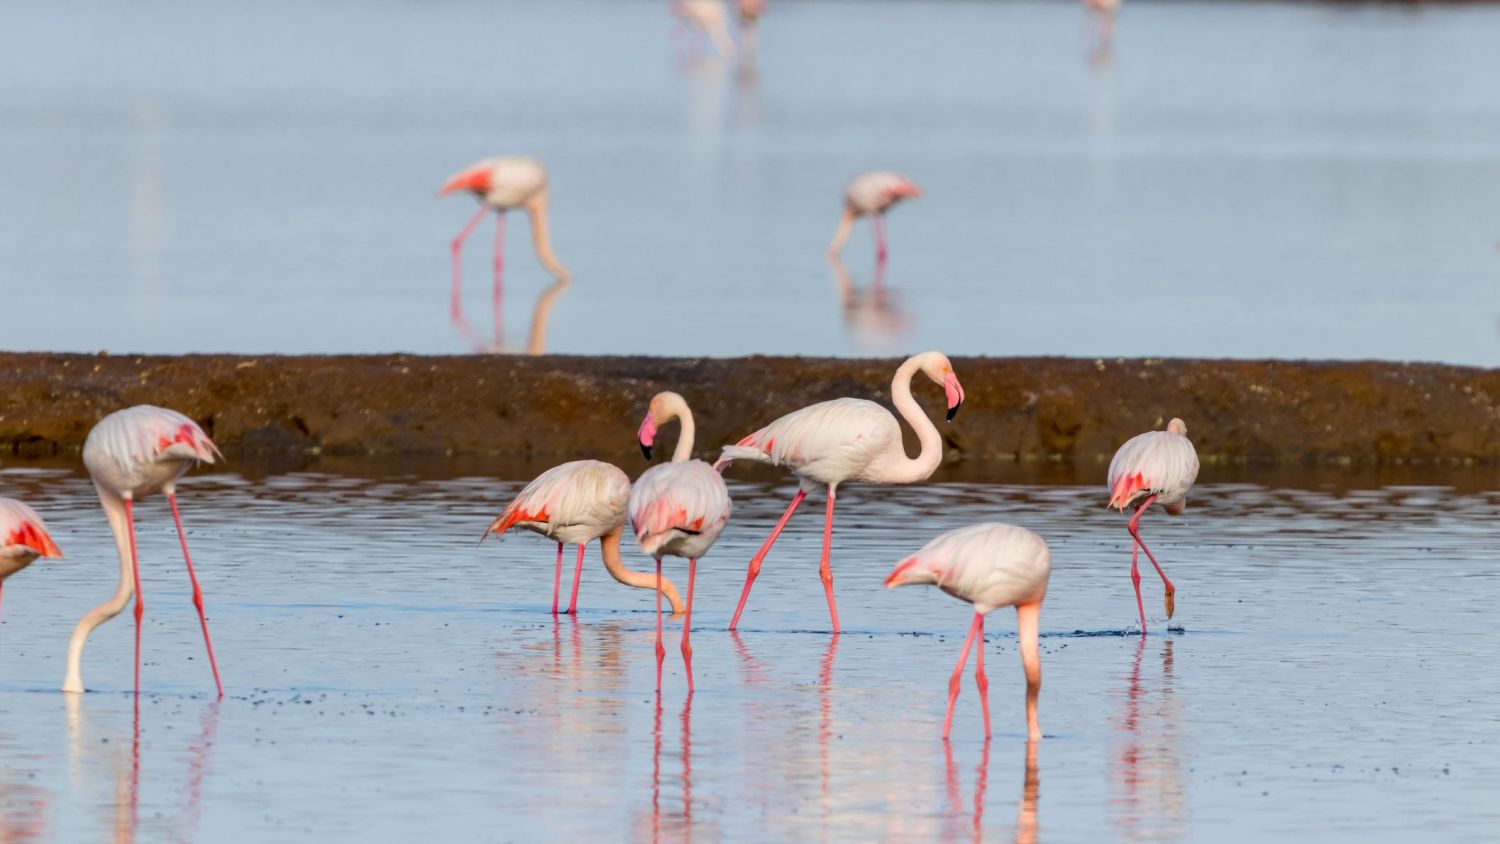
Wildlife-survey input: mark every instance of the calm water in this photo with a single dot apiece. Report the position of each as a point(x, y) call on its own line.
point(1244, 179)
point(388, 680)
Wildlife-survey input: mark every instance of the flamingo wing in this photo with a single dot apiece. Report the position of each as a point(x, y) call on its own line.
point(687, 498)
point(22, 531)
point(830, 440)
point(1154, 463)
point(989, 564)
point(582, 492)
point(146, 434)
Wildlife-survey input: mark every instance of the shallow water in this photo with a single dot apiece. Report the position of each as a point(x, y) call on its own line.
point(1243, 179)
point(387, 679)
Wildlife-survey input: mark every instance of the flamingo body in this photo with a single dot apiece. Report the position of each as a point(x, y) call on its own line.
point(1157, 467)
point(23, 538)
point(502, 182)
point(877, 192)
point(990, 565)
point(575, 503)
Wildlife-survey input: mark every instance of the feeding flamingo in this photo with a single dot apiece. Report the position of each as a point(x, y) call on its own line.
point(577, 503)
point(502, 184)
point(831, 442)
point(990, 565)
point(130, 454)
point(23, 538)
point(1159, 467)
point(708, 17)
point(676, 509)
point(871, 195)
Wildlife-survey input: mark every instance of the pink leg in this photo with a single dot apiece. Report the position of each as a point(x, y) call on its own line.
point(557, 579)
point(661, 651)
point(953, 682)
point(577, 579)
point(497, 294)
point(979, 679)
point(135, 575)
point(825, 571)
point(760, 556)
point(687, 625)
point(197, 593)
point(1135, 533)
point(878, 221)
point(1135, 578)
point(456, 302)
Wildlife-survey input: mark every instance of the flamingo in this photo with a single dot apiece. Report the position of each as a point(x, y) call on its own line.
point(677, 509)
point(709, 17)
point(577, 503)
point(502, 184)
point(1103, 13)
point(871, 194)
point(831, 442)
point(130, 454)
point(1159, 467)
point(990, 565)
point(23, 538)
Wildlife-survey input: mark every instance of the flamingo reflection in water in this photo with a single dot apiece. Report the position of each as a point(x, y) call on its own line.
point(1026, 814)
point(873, 316)
point(536, 335)
point(1150, 803)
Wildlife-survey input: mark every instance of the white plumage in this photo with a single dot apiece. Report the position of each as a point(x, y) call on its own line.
point(508, 181)
point(574, 503)
point(990, 565)
point(143, 449)
point(23, 538)
point(679, 509)
point(825, 443)
point(1160, 463)
point(874, 192)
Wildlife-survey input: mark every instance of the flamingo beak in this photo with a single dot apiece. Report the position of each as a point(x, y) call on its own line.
point(955, 393)
point(647, 434)
point(476, 179)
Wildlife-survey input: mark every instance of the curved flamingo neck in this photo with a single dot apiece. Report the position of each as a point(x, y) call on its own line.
point(684, 449)
point(537, 208)
point(905, 470)
point(119, 524)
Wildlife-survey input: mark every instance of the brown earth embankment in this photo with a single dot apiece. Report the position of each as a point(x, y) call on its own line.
point(556, 407)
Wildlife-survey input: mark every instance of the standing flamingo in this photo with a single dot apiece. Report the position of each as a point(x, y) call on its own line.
point(130, 454)
point(871, 194)
point(577, 503)
point(831, 442)
point(677, 509)
point(990, 565)
point(1102, 13)
point(1159, 466)
point(502, 184)
point(709, 17)
point(23, 538)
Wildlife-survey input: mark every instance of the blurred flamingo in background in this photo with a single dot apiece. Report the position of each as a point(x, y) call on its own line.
point(23, 538)
point(1102, 13)
point(871, 195)
point(990, 565)
point(708, 18)
point(502, 184)
point(577, 503)
point(1159, 467)
point(677, 509)
point(831, 442)
point(130, 454)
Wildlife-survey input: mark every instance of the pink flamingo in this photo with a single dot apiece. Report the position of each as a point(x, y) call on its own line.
point(677, 509)
point(130, 454)
point(23, 538)
point(831, 442)
point(1160, 467)
point(989, 565)
point(502, 184)
point(872, 195)
point(1103, 13)
point(577, 503)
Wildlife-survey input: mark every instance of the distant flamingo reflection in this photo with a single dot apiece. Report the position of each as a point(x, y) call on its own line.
point(536, 336)
point(1150, 803)
point(873, 316)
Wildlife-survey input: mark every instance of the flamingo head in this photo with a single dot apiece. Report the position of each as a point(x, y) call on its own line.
point(751, 10)
point(935, 365)
point(475, 179)
point(903, 190)
point(665, 406)
point(647, 434)
point(1178, 427)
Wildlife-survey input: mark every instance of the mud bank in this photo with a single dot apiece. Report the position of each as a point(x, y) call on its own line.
point(553, 408)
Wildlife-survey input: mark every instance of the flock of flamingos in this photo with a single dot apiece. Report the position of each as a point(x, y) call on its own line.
point(676, 509)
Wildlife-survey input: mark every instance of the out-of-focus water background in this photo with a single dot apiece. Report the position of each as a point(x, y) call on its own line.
point(388, 680)
point(1232, 179)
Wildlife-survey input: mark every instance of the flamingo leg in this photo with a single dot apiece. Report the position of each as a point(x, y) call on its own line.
point(497, 293)
point(456, 300)
point(760, 556)
point(2, 587)
point(557, 579)
point(953, 682)
point(577, 579)
point(878, 222)
point(979, 679)
point(197, 592)
point(661, 651)
point(1135, 578)
point(1135, 533)
point(687, 626)
point(135, 576)
point(825, 571)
